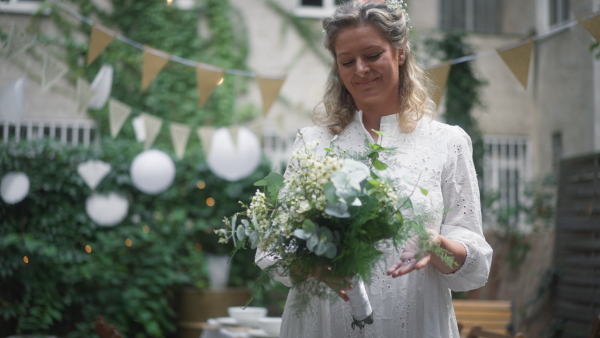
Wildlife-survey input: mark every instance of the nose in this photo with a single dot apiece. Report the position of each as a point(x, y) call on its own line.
point(362, 67)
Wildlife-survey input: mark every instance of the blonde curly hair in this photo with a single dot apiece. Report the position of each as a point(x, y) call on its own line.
point(392, 23)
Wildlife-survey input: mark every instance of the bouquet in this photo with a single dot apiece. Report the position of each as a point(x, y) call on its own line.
point(325, 220)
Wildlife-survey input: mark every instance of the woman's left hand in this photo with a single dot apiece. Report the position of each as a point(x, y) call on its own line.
point(412, 257)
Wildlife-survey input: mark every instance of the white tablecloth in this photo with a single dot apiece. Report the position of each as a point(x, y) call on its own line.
point(214, 330)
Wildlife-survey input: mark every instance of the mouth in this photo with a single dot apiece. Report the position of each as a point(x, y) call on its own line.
point(365, 82)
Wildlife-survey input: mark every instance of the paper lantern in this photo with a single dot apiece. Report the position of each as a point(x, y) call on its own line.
point(234, 161)
point(14, 187)
point(93, 171)
point(107, 210)
point(102, 85)
point(152, 171)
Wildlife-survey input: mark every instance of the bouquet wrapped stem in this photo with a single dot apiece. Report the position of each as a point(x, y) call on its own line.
point(359, 302)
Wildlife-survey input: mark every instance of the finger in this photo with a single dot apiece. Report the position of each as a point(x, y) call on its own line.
point(344, 296)
point(404, 268)
point(423, 262)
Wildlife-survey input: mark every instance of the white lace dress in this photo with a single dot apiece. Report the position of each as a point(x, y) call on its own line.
point(439, 158)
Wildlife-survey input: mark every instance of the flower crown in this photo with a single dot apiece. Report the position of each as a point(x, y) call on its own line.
point(398, 5)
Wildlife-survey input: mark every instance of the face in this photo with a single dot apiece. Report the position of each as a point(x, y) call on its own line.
point(368, 65)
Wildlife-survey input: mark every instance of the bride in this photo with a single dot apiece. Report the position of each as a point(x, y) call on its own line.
point(376, 85)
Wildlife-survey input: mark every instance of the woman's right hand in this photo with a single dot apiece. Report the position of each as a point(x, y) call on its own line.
point(335, 283)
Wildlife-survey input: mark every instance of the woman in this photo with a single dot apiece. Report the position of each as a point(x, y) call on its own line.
point(375, 85)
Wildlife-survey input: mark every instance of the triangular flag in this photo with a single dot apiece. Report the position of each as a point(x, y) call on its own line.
point(12, 101)
point(152, 126)
point(205, 134)
point(207, 81)
point(118, 113)
point(179, 135)
point(439, 77)
point(18, 41)
point(591, 24)
point(100, 38)
point(154, 61)
point(233, 134)
point(85, 94)
point(52, 71)
point(269, 90)
point(256, 127)
point(518, 57)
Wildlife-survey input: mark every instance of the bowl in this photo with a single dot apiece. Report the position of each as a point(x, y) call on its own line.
point(271, 325)
point(246, 315)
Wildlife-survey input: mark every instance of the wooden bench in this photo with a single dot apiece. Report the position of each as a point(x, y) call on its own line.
point(491, 315)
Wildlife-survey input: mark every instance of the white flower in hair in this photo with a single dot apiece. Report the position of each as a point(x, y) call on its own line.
point(395, 4)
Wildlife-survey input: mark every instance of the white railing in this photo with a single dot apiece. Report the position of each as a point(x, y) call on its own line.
point(505, 173)
point(71, 132)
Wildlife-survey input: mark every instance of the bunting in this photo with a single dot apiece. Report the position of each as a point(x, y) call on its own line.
point(592, 25)
point(180, 134)
point(100, 38)
point(18, 41)
point(205, 134)
point(439, 77)
point(85, 94)
point(154, 61)
point(269, 90)
point(518, 57)
point(152, 125)
point(52, 71)
point(118, 113)
point(207, 81)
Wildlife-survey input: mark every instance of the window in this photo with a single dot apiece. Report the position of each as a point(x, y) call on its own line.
point(317, 8)
point(20, 6)
point(477, 16)
point(557, 150)
point(505, 173)
point(559, 12)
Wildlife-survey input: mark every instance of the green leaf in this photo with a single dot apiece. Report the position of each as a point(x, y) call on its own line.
point(400, 217)
point(424, 191)
point(379, 165)
point(377, 132)
point(329, 189)
point(309, 227)
point(374, 183)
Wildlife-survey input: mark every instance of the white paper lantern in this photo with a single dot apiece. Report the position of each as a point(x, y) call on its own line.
point(102, 85)
point(152, 171)
point(107, 210)
point(234, 162)
point(14, 187)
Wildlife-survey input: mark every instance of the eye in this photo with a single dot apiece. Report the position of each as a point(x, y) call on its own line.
point(375, 56)
point(346, 63)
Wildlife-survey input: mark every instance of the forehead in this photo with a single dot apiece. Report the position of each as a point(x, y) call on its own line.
point(358, 38)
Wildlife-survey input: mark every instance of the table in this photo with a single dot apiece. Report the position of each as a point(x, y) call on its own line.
point(212, 329)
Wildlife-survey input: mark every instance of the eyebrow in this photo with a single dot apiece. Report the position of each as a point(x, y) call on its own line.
point(367, 48)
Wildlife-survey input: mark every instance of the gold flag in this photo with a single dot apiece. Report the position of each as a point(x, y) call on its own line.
point(180, 134)
point(233, 134)
point(207, 81)
point(18, 41)
point(154, 61)
point(206, 135)
point(439, 77)
point(85, 94)
point(518, 57)
point(269, 90)
point(52, 71)
point(100, 38)
point(591, 24)
point(118, 114)
point(152, 126)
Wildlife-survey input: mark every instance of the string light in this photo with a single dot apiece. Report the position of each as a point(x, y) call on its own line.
point(169, 2)
point(221, 81)
point(88, 249)
point(25, 259)
point(210, 201)
point(201, 185)
point(146, 229)
point(128, 242)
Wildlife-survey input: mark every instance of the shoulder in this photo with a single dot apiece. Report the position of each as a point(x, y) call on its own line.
point(314, 133)
point(445, 133)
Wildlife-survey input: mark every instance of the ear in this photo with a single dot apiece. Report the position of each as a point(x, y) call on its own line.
point(401, 56)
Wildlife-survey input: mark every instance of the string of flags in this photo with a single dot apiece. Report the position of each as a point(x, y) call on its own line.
point(516, 56)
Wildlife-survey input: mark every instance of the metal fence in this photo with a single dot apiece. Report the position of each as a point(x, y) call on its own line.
point(577, 245)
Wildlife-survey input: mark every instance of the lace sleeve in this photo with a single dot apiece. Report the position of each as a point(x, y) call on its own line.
point(462, 221)
point(306, 135)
